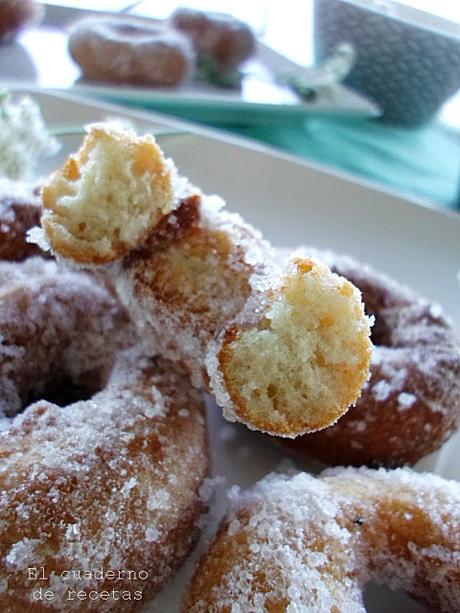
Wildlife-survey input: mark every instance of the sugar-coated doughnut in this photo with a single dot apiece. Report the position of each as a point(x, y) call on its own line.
point(99, 498)
point(411, 404)
point(285, 350)
point(123, 50)
point(187, 287)
point(15, 15)
point(20, 210)
point(297, 355)
point(189, 279)
point(57, 329)
point(301, 543)
point(223, 38)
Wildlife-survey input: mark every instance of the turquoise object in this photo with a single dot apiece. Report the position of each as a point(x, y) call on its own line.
point(422, 163)
point(408, 69)
point(419, 163)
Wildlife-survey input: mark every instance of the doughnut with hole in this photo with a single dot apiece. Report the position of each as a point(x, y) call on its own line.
point(285, 351)
point(411, 404)
point(99, 490)
point(302, 543)
point(123, 50)
point(220, 37)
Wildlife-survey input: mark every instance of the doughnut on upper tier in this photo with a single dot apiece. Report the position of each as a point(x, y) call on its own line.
point(123, 50)
point(224, 38)
point(15, 14)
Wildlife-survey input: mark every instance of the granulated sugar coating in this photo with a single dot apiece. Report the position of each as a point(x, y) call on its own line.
point(202, 275)
point(111, 482)
point(192, 278)
point(19, 211)
point(131, 52)
point(301, 543)
point(107, 483)
point(411, 403)
point(205, 289)
point(297, 355)
point(57, 329)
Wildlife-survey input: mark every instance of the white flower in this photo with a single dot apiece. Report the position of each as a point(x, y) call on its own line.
point(23, 137)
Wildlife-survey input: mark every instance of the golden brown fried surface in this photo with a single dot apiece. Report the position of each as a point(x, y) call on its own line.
point(284, 351)
point(411, 404)
point(111, 482)
point(293, 367)
point(20, 210)
point(305, 543)
point(188, 281)
point(222, 41)
point(119, 49)
point(89, 479)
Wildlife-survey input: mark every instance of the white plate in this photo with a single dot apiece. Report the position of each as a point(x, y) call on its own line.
point(294, 202)
point(40, 57)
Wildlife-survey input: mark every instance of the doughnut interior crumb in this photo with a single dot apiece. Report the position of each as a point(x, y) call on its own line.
point(304, 362)
point(108, 196)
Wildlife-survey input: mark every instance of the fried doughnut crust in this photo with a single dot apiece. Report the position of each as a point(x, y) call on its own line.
point(111, 483)
point(411, 404)
point(20, 210)
point(283, 351)
point(302, 543)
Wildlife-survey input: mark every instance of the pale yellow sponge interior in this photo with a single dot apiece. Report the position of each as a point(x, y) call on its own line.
point(108, 196)
point(304, 362)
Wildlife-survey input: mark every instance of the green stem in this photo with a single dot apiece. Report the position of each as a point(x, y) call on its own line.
point(77, 131)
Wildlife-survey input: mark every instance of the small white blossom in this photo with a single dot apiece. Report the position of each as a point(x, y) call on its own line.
point(23, 137)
